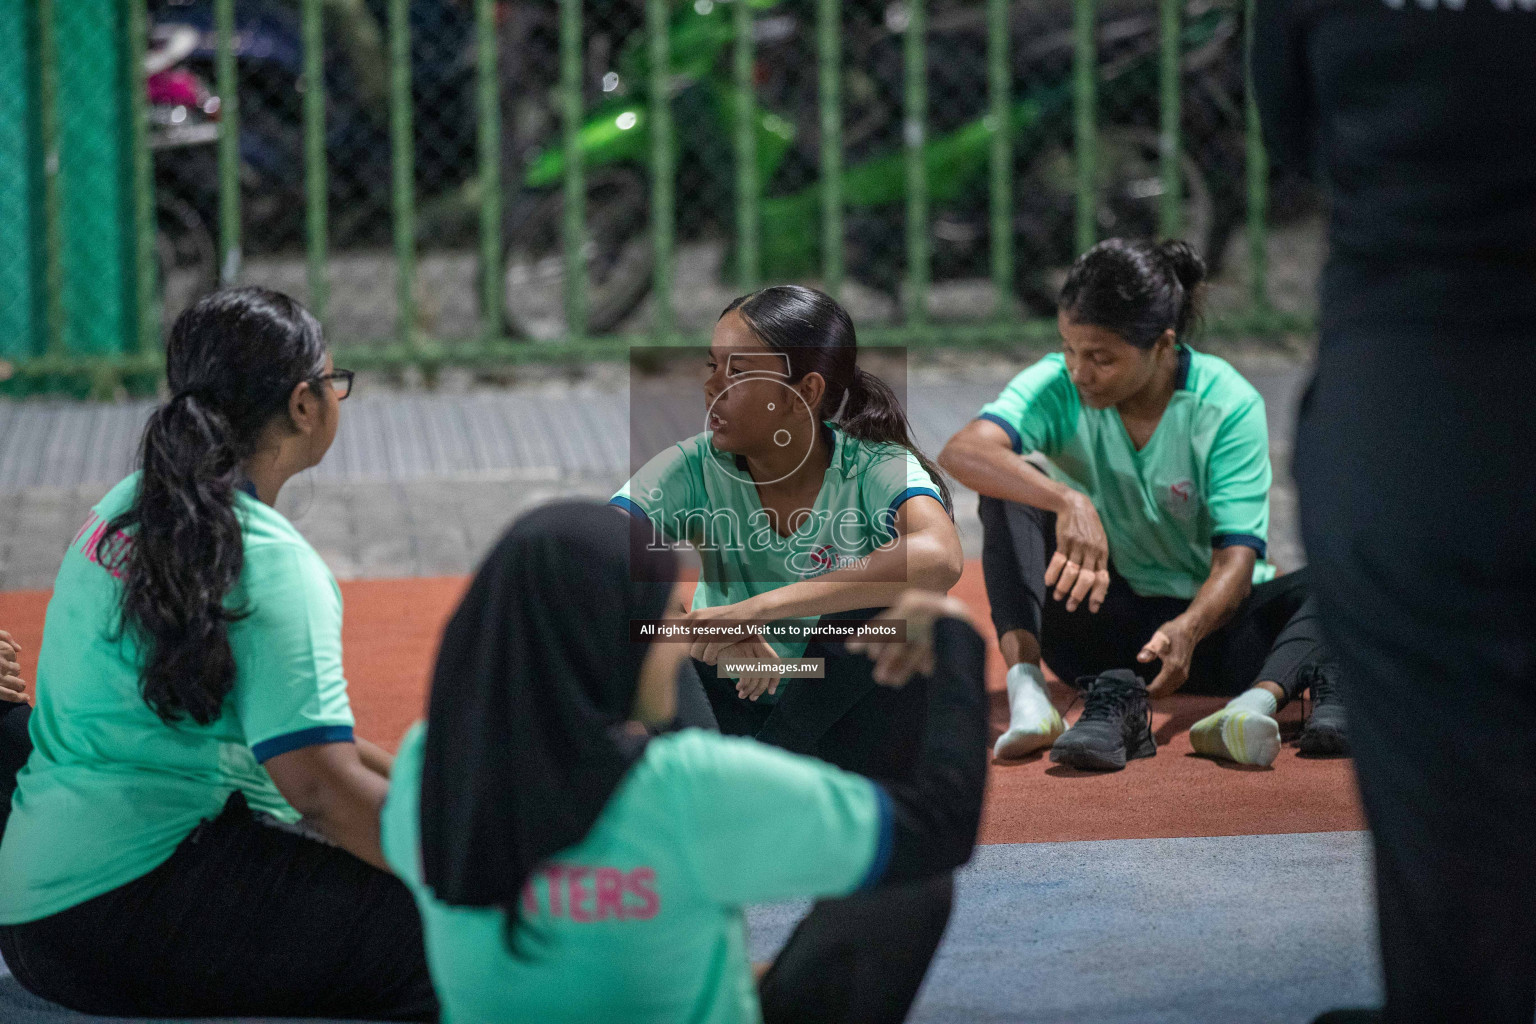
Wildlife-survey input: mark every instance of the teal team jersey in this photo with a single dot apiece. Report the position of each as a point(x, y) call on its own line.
point(110, 790)
point(696, 494)
point(1201, 482)
point(641, 921)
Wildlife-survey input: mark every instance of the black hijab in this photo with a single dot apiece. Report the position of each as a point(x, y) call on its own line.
point(534, 679)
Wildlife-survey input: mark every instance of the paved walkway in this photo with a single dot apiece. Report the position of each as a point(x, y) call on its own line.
point(421, 482)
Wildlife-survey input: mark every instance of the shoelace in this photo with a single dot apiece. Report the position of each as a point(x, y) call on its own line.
point(1105, 700)
point(1322, 686)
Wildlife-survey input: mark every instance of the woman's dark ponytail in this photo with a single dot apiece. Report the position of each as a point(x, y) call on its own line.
point(816, 334)
point(1136, 289)
point(233, 360)
point(873, 414)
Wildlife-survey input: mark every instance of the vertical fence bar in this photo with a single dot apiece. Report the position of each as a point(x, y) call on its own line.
point(488, 141)
point(229, 141)
point(316, 209)
point(146, 322)
point(915, 136)
point(748, 262)
point(403, 161)
point(998, 91)
point(1170, 220)
point(1085, 108)
point(663, 160)
point(1258, 180)
point(53, 240)
point(573, 225)
point(829, 98)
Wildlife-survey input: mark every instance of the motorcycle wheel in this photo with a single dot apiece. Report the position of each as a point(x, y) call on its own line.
point(1130, 191)
point(616, 255)
point(186, 255)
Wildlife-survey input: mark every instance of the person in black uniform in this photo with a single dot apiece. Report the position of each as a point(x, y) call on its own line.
point(1416, 462)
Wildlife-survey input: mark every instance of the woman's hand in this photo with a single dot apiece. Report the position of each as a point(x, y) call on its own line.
point(1080, 568)
point(1173, 643)
point(751, 687)
point(12, 686)
point(896, 663)
point(709, 651)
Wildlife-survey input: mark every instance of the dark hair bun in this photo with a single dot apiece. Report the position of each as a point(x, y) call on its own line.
point(1187, 265)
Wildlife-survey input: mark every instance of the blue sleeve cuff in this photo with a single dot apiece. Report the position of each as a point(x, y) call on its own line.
point(268, 749)
point(884, 839)
point(1247, 540)
point(1008, 428)
point(888, 517)
point(628, 505)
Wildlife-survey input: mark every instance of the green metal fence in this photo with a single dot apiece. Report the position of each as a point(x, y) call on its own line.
point(589, 175)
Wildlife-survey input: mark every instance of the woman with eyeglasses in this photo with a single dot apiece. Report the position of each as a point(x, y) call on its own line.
point(196, 829)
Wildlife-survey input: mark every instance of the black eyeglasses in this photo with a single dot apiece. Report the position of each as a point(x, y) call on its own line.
point(343, 382)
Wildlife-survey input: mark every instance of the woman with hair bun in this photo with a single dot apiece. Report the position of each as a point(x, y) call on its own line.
point(195, 830)
point(1137, 549)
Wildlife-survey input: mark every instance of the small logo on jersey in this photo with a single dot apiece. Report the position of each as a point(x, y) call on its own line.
point(823, 560)
point(1180, 499)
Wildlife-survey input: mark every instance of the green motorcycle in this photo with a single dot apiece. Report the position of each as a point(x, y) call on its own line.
point(615, 145)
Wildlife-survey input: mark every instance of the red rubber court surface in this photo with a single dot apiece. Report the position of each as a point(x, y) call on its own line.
point(390, 641)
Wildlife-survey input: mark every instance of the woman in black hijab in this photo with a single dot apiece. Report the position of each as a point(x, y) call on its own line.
point(569, 868)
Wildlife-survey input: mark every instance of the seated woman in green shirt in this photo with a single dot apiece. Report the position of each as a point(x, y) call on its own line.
point(807, 501)
point(192, 731)
point(1138, 552)
point(571, 869)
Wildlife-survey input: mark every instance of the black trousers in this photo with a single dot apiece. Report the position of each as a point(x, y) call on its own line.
point(1418, 498)
point(246, 919)
point(860, 959)
point(845, 719)
point(1275, 633)
point(15, 746)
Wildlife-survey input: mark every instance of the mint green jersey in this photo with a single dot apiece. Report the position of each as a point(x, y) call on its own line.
point(641, 921)
point(110, 790)
point(696, 494)
point(1201, 482)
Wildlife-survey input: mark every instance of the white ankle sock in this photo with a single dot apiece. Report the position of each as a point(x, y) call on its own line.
point(1257, 699)
point(1033, 721)
point(1027, 699)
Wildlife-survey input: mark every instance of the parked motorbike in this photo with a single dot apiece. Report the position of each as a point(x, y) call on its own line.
point(269, 61)
point(183, 123)
point(615, 145)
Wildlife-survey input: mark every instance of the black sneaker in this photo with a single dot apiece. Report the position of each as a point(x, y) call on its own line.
point(1115, 726)
point(1324, 734)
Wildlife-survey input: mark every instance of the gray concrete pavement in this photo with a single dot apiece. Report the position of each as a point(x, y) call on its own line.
point(421, 482)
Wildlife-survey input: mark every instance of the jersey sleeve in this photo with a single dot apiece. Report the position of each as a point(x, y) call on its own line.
point(890, 482)
point(1038, 409)
point(289, 688)
point(665, 490)
point(1239, 479)
point(762, 824)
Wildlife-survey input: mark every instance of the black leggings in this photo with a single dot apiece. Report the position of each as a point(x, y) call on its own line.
point(1274, 635)
point(859, 959)
point(15, 746)
point(845, 719)
point(247, 918)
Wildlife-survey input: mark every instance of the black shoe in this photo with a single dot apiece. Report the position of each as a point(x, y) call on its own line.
point(1115, 726)
point(1351, 1017)
point(1325, 734)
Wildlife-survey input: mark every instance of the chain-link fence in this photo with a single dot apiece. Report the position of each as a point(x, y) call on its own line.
point(483, 180)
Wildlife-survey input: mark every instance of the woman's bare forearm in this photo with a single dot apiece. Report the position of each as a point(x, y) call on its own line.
point(920, 560)
point(1230, 582)
point(980, 457)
